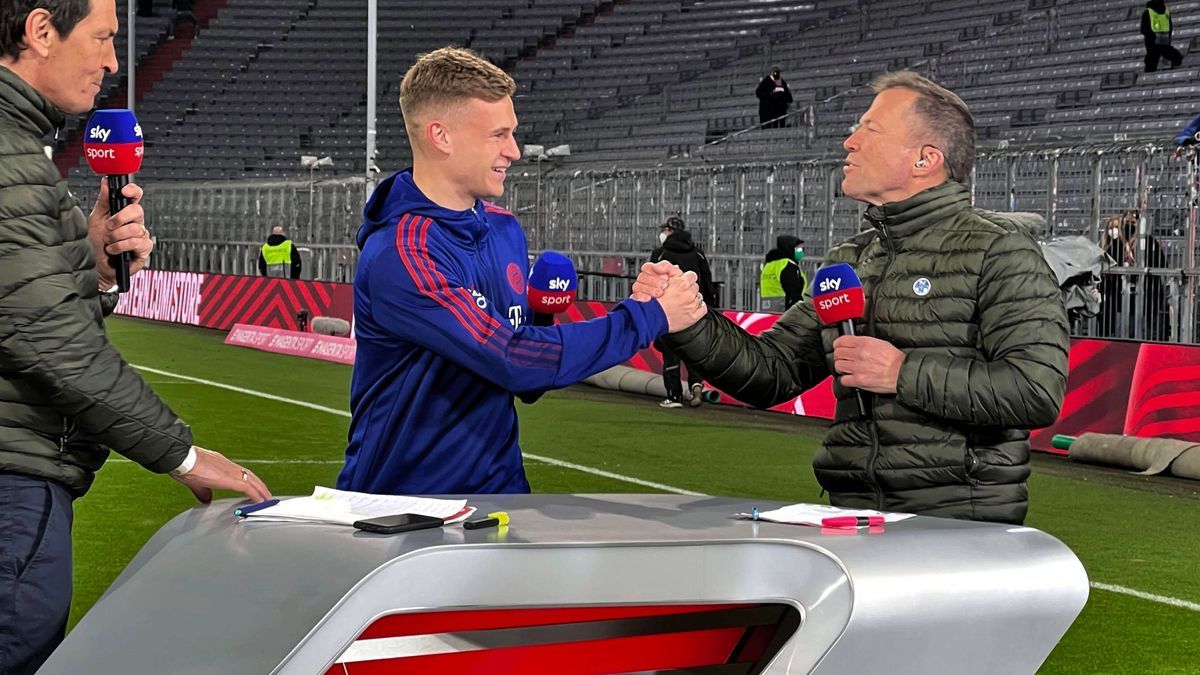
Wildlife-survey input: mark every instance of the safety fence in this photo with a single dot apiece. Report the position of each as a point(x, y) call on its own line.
point(608, 221)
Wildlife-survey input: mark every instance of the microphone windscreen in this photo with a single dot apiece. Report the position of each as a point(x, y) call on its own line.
point(837, 294)
point(112, 142)
point(552, 283)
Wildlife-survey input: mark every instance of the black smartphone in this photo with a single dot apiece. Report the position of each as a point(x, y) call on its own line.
point(403, 522)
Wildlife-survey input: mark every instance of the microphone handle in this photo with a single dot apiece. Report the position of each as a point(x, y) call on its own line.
point(847, 328)
point(543, 319)
point(116, 202)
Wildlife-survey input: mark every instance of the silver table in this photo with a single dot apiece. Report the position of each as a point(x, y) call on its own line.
point(209, 594)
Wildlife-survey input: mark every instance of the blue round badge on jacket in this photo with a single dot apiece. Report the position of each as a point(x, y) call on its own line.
point(922, 287)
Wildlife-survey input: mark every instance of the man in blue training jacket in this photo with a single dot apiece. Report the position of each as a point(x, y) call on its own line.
point(441, 316)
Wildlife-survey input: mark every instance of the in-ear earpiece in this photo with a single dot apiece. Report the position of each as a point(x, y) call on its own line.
point(920, 163)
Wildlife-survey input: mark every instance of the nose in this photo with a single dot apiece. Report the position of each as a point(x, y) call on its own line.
point(109, 63)
point(851, 142)
point(511, 151)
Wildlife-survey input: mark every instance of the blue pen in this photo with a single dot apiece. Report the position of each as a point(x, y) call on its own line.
point(244, 511)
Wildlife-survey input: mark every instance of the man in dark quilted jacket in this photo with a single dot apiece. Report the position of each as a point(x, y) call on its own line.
point(66, 395)
point(963, 348)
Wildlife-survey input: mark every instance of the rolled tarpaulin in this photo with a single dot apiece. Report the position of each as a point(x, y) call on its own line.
point(1187, 465)
point(626, 378)
point(1147, 456)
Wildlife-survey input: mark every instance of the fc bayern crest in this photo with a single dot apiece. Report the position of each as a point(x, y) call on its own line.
point(516, 278)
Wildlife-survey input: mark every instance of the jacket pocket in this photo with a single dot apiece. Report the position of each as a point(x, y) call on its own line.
point(970, 464)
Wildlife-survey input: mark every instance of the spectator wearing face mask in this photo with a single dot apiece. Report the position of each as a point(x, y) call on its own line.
point(782, 278)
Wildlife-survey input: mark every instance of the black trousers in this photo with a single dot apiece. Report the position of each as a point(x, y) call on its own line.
point(35, 570)
point(1155, 51)
point(670, 373)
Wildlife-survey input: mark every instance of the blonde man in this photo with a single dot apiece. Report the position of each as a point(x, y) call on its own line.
point(444, 344)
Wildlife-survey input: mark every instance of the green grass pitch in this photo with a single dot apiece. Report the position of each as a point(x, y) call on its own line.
point(1131, 535)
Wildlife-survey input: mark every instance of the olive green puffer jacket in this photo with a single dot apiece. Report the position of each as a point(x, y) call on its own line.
point(969, 299)
point(65, 392)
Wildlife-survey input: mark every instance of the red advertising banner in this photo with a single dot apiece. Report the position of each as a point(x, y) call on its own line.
point(1117, 387)
point(1113, 387)
point(222, 300)
point(293, 343)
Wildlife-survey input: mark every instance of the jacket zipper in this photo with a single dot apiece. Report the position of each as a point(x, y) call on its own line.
point(872, 426)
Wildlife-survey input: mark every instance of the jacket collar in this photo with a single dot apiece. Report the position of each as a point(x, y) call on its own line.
point(26, 106)
point(920, 210)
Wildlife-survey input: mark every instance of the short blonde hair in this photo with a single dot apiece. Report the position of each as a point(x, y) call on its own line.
point(944, 115)
point(450, 75)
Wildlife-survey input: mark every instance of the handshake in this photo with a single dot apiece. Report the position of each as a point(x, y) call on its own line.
point(677, 292)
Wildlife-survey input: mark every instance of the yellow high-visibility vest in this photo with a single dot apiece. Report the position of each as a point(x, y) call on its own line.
point(278, 258)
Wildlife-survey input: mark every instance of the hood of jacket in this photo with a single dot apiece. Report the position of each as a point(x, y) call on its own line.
point(397, 195)
point(680, 241)
point(785, 247)
point(276, 239)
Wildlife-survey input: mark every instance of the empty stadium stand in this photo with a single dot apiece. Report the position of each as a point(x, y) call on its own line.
point(642, 81)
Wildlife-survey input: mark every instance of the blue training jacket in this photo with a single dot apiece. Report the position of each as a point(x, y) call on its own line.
point(440, 315)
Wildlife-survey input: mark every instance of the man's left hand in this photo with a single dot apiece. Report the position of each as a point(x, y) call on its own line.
point(867, 363)
point(114, 234)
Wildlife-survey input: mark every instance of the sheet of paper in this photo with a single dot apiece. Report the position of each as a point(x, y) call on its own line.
point(816, 515)
point(327, 505)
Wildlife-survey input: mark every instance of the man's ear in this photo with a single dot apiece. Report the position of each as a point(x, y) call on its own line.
point(931, 162)
point(39, 32)
point(437, 135)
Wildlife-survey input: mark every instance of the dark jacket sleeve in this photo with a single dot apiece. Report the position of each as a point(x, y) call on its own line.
point(761, 370)
point(296, 264)
point(262, 264)
point(1145, 27)
point(707, 288)
point(763, 92)
point(1021, 380)
point(53, 337)
point(792, 280)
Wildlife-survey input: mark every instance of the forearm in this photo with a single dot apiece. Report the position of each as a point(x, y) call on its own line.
point(759, 370)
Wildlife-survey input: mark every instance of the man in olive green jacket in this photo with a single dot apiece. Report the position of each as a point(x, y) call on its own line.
point(963, 348)
point(66, 395)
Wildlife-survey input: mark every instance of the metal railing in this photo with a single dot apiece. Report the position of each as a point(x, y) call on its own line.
point(608, 220)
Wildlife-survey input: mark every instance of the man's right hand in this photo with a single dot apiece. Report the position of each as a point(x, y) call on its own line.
point(213, 470)
point(682, 302)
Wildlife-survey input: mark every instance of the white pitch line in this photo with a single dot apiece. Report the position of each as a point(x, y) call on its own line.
point(1142, 595)
point(1152, 597)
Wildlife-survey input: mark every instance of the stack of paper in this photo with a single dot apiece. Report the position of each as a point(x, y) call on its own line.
point(327, 505)
point(819, 515)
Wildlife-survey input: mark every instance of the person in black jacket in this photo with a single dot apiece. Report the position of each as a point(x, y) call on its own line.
point(676, 247)
point(1156, 28)
point(774, 97)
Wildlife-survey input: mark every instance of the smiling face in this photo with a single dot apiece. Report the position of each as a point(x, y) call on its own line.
point(882, 151)
point(482, 146)
point(68, 70)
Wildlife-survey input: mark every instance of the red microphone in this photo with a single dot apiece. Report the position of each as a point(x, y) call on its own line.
point(838, 299)
point(113, 147)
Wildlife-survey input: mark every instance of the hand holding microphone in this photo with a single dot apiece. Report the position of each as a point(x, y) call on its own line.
point(863, 363)
point(113, 147)
point(552, 286)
